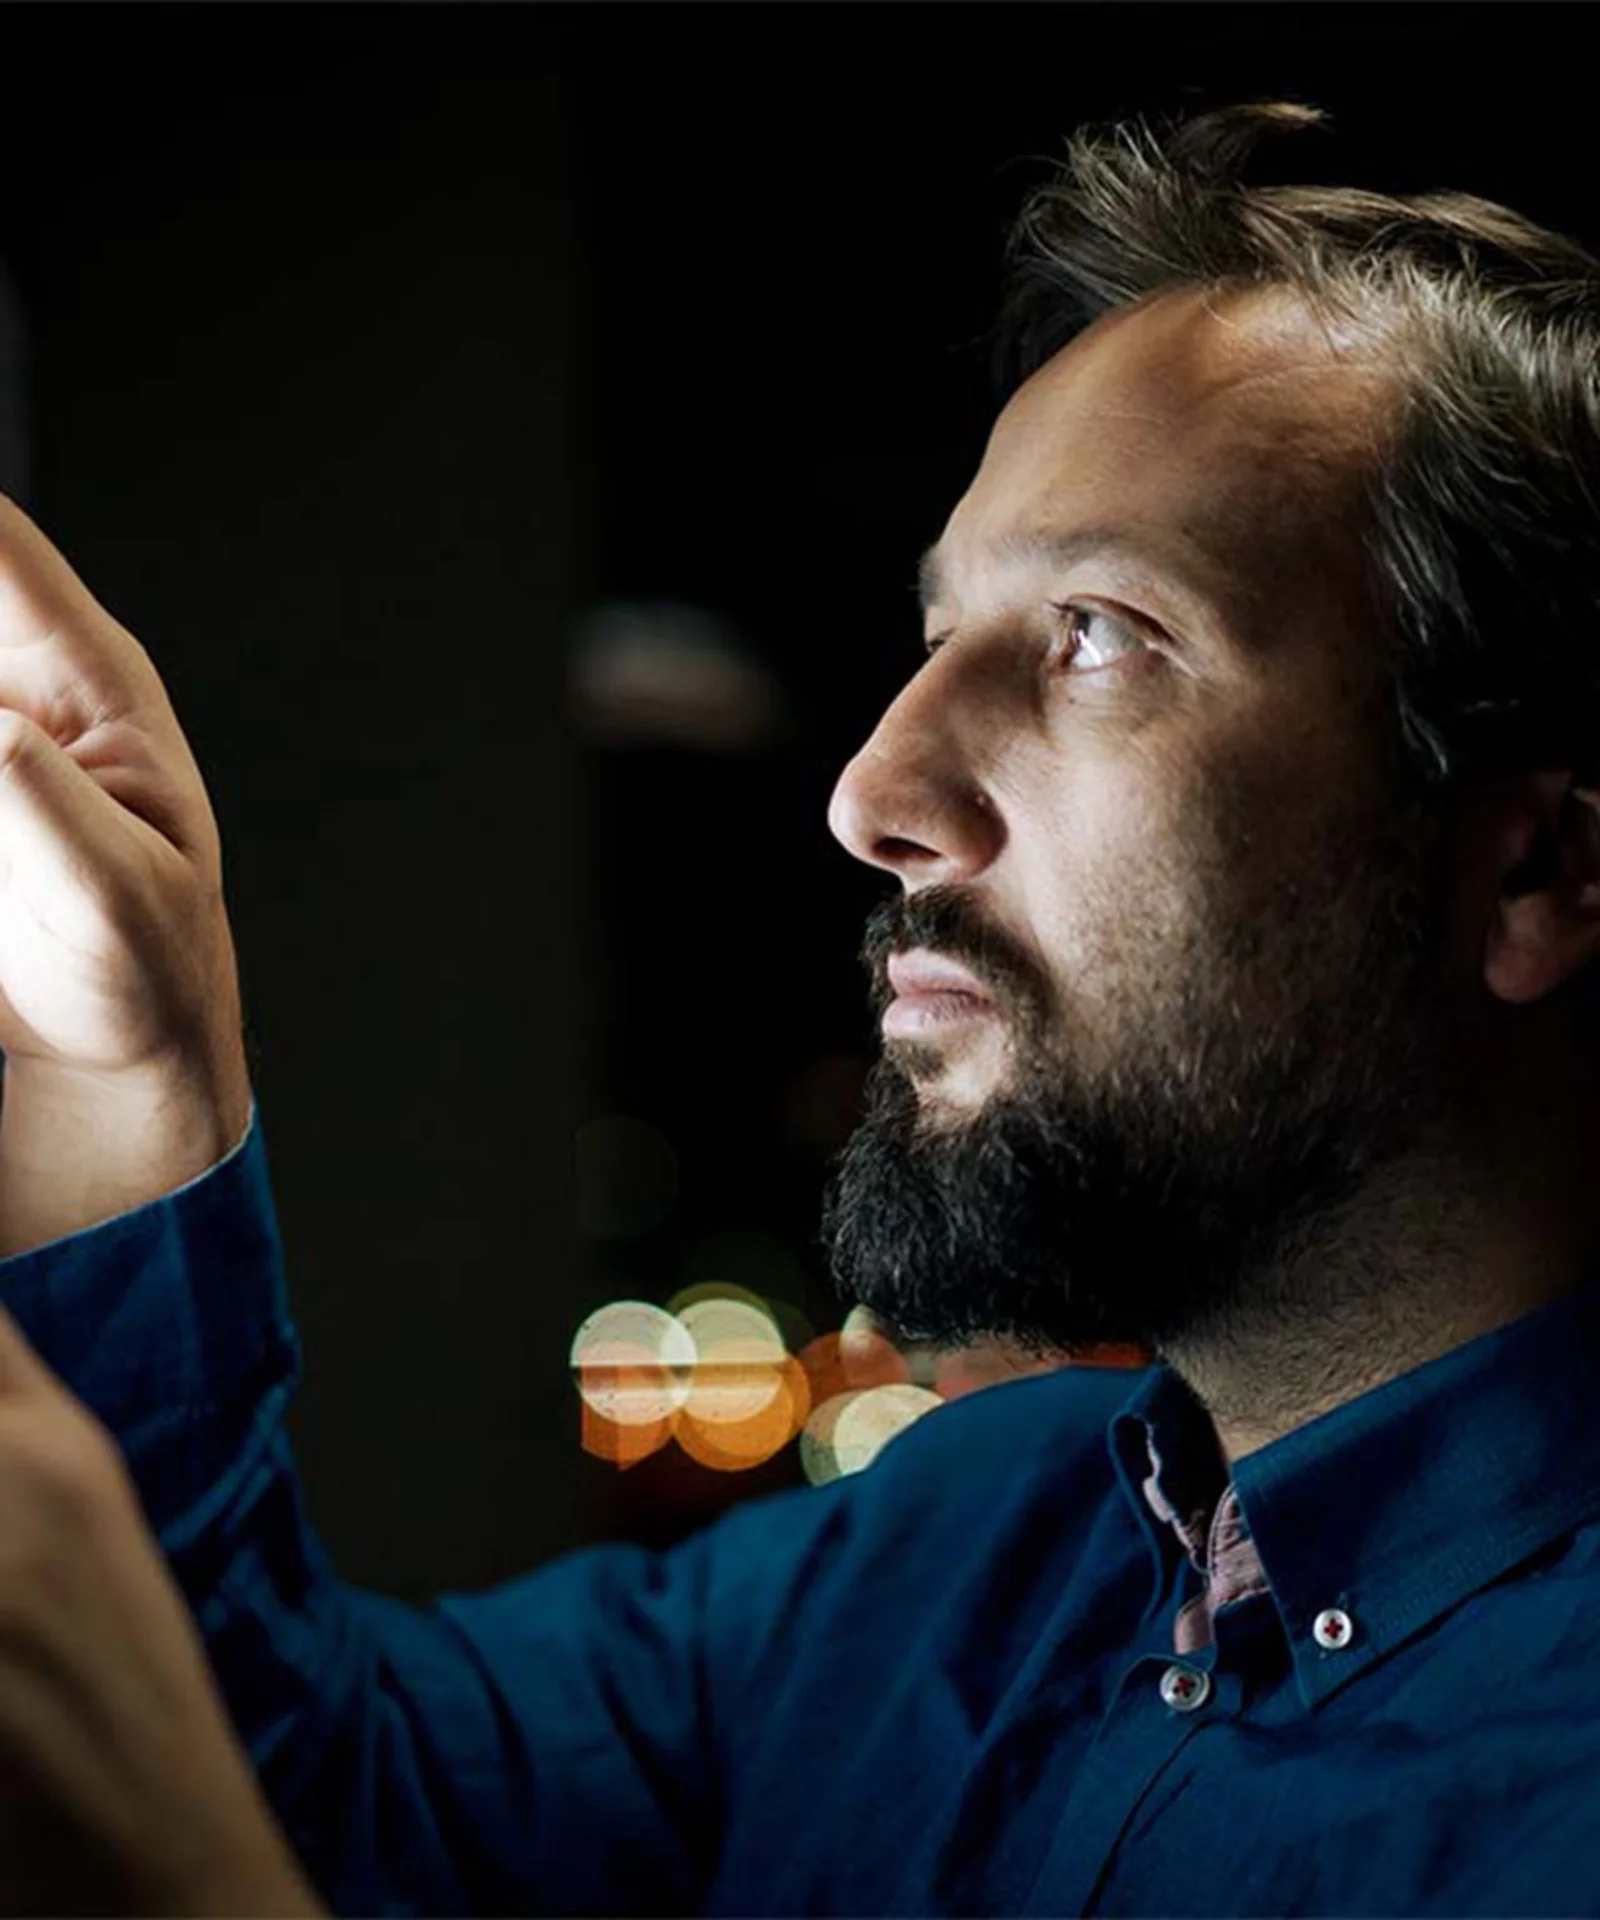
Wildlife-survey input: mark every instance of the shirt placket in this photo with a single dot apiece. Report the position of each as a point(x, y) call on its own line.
point(1159, 1705)
point(1147, 1725)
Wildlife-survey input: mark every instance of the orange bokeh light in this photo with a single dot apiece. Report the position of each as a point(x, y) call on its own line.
point(624, 1443)
point(869, 1357)
point(834, 1365)
point(733, 1446)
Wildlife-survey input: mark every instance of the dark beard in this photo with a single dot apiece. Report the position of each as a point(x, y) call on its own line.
point(1159, 1199)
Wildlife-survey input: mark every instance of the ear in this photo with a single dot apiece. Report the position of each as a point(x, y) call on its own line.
point(1544, 858)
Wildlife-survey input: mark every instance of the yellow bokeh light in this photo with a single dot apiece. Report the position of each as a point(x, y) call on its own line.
point(705, 1290)
point(872, 1420)
point(818, 1461)
point(739, 1361)
point(713, 1370)
point(792, 1326)
point(848, 1432)
point(715, 1314)
point(634, 1363)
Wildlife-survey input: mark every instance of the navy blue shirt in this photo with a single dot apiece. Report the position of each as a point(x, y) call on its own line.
point(948, 1684)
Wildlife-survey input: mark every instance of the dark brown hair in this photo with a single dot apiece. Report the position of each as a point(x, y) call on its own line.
point(1486, 494)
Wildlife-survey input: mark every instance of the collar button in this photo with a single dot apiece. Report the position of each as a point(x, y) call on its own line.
point(1185, 1688)
point(1333, 1629)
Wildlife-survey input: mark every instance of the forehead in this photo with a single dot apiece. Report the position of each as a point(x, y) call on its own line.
point(1235, 426)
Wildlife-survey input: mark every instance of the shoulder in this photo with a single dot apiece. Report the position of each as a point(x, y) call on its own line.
point(1024, 1438)
point(1016, 1469)
point(1044, 1425)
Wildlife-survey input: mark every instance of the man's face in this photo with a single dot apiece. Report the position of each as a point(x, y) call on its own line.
point(1161, 987)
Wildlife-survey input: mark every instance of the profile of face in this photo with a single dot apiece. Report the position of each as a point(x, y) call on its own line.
point(1163, 989)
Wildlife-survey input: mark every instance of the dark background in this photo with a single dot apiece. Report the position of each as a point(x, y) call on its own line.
point(372, 353)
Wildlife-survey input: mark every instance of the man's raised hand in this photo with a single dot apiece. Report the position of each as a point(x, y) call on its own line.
point(119, 1000)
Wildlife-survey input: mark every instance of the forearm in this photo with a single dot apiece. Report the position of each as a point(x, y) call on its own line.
point(417, 1760)
point(251, 1872)
point(169, 1326)
point(79, 1147)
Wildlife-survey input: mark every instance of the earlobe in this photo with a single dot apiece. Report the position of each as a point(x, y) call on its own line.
point(1522, 957)
point(1546, 922)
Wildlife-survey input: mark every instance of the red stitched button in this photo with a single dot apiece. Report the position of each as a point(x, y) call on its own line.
point(1332, 1629)
point(1185, 1688)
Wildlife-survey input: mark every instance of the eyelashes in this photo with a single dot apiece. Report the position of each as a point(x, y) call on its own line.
point(1073, 635)
point(1077, 616)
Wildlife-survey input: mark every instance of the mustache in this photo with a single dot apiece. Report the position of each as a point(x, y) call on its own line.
point(949, 922)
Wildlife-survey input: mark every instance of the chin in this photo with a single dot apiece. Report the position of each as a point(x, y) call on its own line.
point(952, 1085)
point(951, 1101)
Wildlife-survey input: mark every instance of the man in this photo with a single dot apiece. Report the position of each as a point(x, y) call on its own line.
point(1239, 1000)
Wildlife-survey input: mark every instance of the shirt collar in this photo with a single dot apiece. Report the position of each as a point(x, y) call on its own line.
point(1399, 1504)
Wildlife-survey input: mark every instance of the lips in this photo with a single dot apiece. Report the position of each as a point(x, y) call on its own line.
point(919, 973)
point(931, 993)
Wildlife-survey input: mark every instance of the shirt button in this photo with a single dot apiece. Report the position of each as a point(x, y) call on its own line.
point(1185, 1688)
point(1333, 1628)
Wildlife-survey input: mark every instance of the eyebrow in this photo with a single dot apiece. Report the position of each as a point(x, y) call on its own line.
point(1188, 569)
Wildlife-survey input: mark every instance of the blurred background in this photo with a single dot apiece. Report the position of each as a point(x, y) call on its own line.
point(512, 430)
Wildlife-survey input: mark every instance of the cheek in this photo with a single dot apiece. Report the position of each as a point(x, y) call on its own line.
point(1099, 874)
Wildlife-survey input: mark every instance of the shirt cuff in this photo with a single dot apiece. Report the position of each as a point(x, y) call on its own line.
point(170, 1322)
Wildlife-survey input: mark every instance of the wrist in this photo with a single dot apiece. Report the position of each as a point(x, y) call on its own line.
point(267, 1884)
point(257, 1877)
point(230, 1857)
point(79, 1146)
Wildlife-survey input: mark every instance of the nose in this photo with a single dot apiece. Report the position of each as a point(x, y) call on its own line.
point(911, 800)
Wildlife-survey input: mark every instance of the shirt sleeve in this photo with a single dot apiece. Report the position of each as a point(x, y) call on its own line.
point(555, 1745)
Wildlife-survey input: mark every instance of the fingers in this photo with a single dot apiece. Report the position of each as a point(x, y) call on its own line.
point(39, 592)
point(64, 661)
point(63, 840)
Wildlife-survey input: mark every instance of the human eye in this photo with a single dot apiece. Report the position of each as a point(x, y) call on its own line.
point(1090, 630)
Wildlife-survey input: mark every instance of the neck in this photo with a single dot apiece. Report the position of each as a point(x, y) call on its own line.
point(1418, 1264)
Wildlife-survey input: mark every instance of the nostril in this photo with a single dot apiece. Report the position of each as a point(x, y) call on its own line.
point(907, 804)
point(896, 852)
